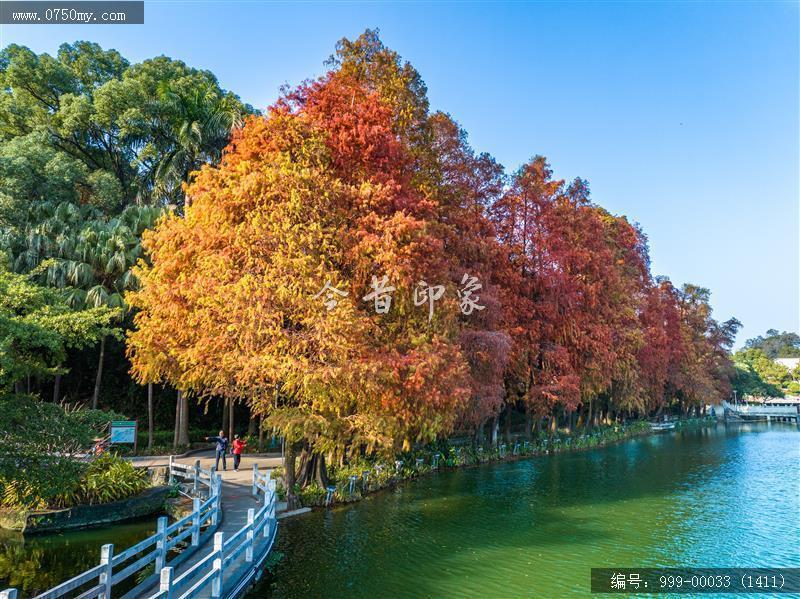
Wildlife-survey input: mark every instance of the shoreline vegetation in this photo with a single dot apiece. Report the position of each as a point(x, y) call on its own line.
point(355, 481)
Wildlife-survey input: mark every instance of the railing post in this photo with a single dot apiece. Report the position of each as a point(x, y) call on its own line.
point(255, 480)
point(169, 471)
point(165, 585)
point(8, 594)
point(251, 519)
point(106, 555)
point(216, 583)
point(272, 521)
point(267, 494)
point(195, 522)
point(161, 544)
point(196, 478)
point(216, 484)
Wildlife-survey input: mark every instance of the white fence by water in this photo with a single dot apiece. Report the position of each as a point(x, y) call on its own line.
point(224, 571)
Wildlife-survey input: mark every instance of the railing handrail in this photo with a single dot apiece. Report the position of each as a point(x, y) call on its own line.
point(254, 539)
point(206, 513)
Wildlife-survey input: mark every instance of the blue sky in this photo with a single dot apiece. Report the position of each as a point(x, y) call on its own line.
point(682, 115)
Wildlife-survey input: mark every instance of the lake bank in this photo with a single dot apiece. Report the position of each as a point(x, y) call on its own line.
point(363, 477)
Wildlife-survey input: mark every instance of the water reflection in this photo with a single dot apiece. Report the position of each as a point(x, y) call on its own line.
point(36, 563)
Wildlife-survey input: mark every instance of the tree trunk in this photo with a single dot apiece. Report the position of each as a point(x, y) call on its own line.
point(177, 420)
point(321, 472)
point(261, 433)
point(251, 425)
point(480, 436)
point(183, 431)
point(225, 415)
point(302, 471)
point(495, 429)
point(57, 388)
point(231, 405)
point(99, 378)
point(312, 469)
point(288, 468)
point(588, 423)
point(509, 415)
point(528, 426)
point(149, 415)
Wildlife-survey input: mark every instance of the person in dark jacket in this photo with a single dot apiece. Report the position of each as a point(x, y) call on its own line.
point(222, 447)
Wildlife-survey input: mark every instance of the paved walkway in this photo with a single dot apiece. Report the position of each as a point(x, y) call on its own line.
point(237, 498)
point(206, 457)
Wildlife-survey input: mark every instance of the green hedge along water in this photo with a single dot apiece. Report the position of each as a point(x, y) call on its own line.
point(713, 497)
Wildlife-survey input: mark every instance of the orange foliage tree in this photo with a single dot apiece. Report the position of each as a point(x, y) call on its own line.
point(260, 292)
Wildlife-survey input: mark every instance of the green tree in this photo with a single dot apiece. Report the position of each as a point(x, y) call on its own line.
point(757, 375)
point(138, 131)
point(37, 326)
point(87, 141)
point(88, 256)
point(32, 172)
point(185, 122)
point(776, 345)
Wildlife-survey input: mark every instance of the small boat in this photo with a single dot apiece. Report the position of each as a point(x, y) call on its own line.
point(662, 426)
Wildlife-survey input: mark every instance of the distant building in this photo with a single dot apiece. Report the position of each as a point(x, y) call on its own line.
point(790, 363)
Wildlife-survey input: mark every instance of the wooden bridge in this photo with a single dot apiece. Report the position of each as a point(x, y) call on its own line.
point(788, 411)
point(221, 557)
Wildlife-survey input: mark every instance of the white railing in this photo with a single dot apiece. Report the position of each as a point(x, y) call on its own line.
point(113, 569)
point(241, 554)
point(771, 409)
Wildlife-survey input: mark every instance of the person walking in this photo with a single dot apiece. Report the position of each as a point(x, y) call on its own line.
point(222, 447)
point(238, 447)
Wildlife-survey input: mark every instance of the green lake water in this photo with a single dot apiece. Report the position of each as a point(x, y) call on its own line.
point(714, 497)
point(36, 563)
point(717, 497)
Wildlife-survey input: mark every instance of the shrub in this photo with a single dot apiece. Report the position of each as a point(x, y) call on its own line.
point(38, 444)
point(311, 495)
point(111, 478)
point(36, 485)
point(30, 427)
point(58, 482)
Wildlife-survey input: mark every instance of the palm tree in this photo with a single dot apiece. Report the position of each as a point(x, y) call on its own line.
point(100, 271)
point(193, 130)
point(90, 257)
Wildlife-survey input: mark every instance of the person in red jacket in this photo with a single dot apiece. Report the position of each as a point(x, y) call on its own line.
point(238, 447)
